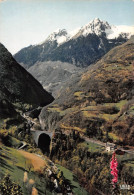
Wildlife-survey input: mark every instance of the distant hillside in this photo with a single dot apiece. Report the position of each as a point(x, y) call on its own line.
point(82, 48)
point(17, 86)
point(53, 75)
point(98, 103)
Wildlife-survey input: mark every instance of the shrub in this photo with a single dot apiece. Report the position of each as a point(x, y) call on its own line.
point(8, 187)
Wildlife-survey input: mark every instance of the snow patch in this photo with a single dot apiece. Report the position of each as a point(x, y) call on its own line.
point(100, 27)
point(62, 39)
point(60, 36)
point(116, 31)
point(74, 32)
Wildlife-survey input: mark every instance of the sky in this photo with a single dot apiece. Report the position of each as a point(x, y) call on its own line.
point(26, 22)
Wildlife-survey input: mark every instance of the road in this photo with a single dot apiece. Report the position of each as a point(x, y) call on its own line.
point(90, 140)
point(23, 145)
point(93, 141)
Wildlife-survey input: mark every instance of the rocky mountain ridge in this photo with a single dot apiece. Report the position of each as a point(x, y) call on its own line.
point(81, 48)
point(100, 27)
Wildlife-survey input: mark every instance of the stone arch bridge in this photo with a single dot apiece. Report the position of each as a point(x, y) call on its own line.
point(42, 139)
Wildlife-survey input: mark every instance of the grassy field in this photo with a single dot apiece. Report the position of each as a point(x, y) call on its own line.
point(15, 164)
point(127, 159)
point(92, 147)
point(37, 162)
point(77, 189)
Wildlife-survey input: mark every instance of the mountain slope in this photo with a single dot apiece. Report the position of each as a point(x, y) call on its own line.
point(98, 102)
point(17, 85)
point(53, 75)
point(82, 48)
point(96, 105)
point(30, 55)
point(84, 51)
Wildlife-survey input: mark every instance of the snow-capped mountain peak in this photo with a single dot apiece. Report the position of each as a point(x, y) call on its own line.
point(100, 27)
point(60, 36)
point(97, 23)
point(95, 26)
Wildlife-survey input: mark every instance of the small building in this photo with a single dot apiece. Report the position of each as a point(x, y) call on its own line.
point(110, 147)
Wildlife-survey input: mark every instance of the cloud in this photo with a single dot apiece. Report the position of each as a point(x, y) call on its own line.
point(2, 0)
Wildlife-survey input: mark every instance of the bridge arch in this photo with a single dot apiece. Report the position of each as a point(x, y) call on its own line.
point(42, 139)
point(44, 142)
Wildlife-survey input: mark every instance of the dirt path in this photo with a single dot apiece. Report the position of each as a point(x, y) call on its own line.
point(37, 162)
